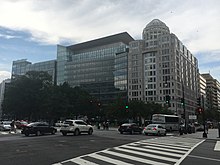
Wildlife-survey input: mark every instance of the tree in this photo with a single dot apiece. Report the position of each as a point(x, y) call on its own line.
point(24, 95)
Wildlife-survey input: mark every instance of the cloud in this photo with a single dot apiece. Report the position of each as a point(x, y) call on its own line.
point(4, 75)
point(195, 23)
point(8, 36)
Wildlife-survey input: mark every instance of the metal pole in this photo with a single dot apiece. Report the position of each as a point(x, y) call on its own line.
point(203, 116)
point(184, 107)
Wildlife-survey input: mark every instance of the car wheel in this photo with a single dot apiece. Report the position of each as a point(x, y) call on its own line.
point(165, 134)
point(90, 131)
point(26, 134)
point(53, 132)
point(121, 132)
point(146, 133)
point(76, 132)
point(64, 133)
point(38, 133)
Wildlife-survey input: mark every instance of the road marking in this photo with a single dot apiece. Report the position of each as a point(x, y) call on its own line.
point(159, 151)
point(179, 161)
point(165, 149)
point(109, 160)
point(217, 146)
point(153, 151)
point(146, 154)
point(81, 161)
point(135, 158)
point(166, 145)
point(200, 157)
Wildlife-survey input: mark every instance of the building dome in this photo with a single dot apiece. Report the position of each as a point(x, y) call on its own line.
point(156, 25)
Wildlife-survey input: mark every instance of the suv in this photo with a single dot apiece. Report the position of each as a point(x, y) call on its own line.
point(76, 127)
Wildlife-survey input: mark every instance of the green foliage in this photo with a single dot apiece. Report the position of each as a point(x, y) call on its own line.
point(34, 97)
point(135, 110)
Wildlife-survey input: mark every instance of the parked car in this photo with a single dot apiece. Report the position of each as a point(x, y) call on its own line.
point(199, 127)
point(130, 128)
point(59, 124)
point(76, 127)
point(155, 129)
point(38, 128)
point(21, 124)
point(5, 125)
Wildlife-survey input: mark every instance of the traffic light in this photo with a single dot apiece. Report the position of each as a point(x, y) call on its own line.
point(168, 100)
point(126, 107)
point(199, 101)
point(182, 101)
point(200, 110)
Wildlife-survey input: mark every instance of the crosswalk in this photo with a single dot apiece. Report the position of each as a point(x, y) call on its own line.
point(157, 151)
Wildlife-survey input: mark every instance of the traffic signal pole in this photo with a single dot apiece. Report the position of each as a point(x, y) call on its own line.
point(203, 116)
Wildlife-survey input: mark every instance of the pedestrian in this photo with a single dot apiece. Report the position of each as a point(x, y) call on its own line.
point(13, 127)
point(207, 128)
point(107, 125)
point(103, 124)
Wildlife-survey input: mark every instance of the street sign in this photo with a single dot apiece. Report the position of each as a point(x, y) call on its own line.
point(192, 117)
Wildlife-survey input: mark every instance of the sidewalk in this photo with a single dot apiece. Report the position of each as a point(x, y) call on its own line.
point(212, 134)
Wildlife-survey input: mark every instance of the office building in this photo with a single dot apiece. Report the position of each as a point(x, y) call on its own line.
point(160, 65)
point(98, 66)
point(21, 67)
point(212, 92)
point(3, 85)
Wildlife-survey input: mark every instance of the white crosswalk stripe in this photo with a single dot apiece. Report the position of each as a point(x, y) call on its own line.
point(217, 146)
point(160, 151)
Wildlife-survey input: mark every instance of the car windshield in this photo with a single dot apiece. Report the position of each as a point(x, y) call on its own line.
point(23, 122)
point(151, 126)
point(126, 124)
point(68, 122)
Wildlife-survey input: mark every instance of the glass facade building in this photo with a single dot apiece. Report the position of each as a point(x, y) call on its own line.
point(21, 67)
point(98, 66)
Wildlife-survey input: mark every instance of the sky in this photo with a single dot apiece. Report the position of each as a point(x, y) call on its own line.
point(31, 29)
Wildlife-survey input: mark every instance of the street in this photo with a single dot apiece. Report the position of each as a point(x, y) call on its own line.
point(106, 147)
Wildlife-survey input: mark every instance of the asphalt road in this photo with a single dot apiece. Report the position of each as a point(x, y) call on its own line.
point(16, 149)
point(49, 149)
point(204, 154)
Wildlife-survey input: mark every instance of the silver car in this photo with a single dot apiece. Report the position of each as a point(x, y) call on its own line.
point(154, 129)
point(5, 125)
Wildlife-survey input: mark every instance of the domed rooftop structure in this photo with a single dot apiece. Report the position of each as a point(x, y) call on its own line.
point(156, 25)
point(156, 22)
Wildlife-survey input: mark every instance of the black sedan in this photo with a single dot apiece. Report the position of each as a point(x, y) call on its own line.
point(38, 128)
point(130, 128)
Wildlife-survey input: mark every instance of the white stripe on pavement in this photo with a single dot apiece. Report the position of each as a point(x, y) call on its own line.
point(146, 154)
point(165, 145)
point(164, 149)
point(182, 158)
point(134, 158)
point(217, 146)
point(153, 151)
point(109, 160)
point(80, 161)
